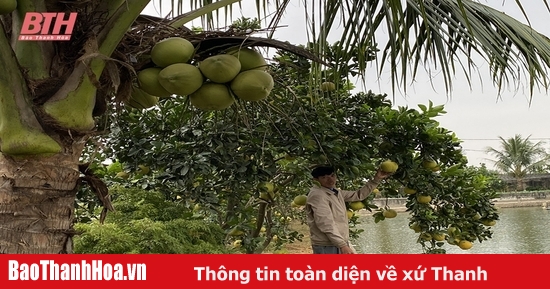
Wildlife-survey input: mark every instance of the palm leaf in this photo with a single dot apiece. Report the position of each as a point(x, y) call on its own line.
point(439, 34)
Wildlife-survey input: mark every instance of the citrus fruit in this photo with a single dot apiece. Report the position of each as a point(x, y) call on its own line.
point(390, 213)
point(328, 86)
point(389, 166)
point(465, 244)
point(356, 206)
point(423, 199)
point(409, 191)
point(300, 200)
point(438, 236)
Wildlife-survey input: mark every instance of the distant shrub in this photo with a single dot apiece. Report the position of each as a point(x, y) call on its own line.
point(145, 223)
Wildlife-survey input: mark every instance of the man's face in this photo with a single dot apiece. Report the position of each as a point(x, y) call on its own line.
point(327, 181)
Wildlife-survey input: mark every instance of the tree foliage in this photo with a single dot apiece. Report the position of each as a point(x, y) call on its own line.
point(146, 223)
point(245, 165)
point(518, 157)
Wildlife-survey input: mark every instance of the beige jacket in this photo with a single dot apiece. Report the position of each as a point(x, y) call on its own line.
point(326, 214)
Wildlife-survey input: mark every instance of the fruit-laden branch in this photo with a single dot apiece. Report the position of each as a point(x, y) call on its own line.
point(264, 216)
point(72, 106)
point(34, 56)
point(20, 131)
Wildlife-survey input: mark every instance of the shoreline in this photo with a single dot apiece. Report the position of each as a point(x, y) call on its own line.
point(501, 203)
point(304, 247)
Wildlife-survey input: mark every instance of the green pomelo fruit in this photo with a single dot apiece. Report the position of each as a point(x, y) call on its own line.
point(141, 99)
point(416, 227)
point(300, 200)
point(149, 82)
point(236, 232)
point(220, 68)
point(390, 213)
point(181, 78)
point(423, 199)
point(252, 85)
point(249, 58)
point(429, 164)
point(212, 96)
point(328, 86)
point(123, 175)
point(389, 166)
point(439, 236)
point(409, 191)
point(172, 50)
point(7, 6)
point(356, 206)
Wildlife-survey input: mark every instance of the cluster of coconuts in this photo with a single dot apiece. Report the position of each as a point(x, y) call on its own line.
point(211, 84)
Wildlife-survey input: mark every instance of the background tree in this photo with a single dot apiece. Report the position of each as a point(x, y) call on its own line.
point(56, 95)
point(518, 156)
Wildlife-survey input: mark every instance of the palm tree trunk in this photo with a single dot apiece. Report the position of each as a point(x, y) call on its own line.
point(520, 186)
point(37, 204)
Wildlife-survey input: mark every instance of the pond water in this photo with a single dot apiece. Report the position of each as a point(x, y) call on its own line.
point(519, 231)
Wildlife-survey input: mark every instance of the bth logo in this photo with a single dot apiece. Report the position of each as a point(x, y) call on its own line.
point(46, 26)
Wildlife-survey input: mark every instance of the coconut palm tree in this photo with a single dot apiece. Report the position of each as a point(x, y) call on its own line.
point(55, 94)
point(518, 157)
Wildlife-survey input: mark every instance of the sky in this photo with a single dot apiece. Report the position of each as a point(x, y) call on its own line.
point(479, 115)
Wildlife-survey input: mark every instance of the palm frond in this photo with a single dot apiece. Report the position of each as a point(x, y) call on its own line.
point(439, 35)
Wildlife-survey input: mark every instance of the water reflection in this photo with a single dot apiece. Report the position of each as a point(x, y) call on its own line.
point(519, 231)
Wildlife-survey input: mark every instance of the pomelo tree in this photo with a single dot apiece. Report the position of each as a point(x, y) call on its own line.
point(55, 95)
point(244, 167)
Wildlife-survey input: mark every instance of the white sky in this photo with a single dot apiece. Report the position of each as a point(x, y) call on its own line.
point(478, 116)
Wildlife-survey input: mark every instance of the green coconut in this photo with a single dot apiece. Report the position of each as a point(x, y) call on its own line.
point(141, 99)
point(149, 82)
point(172, 50)
point(7, 6)
point(252, 85)
point(249, 58)
point(181, 78)
point(212, 96)
point(220, 68)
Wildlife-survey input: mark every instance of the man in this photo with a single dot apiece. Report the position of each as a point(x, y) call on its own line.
point(326, 211)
